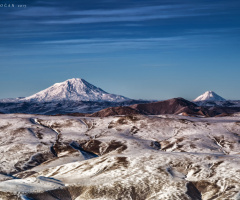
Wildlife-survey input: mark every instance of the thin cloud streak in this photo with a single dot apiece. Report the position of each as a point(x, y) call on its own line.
point(102, 46)
point(106, 40)
point(88, 20)
point(48, 11)
point(62, 16)
point(92, 46)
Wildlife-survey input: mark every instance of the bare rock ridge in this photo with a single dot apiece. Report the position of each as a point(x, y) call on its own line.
point(171, 106)
point(176, 106)
point(123, 110)
point(184, 107)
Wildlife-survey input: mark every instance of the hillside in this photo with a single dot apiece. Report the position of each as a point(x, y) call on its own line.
point(125, 157)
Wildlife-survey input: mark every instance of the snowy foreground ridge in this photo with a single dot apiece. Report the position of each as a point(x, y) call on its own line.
point(122, 157)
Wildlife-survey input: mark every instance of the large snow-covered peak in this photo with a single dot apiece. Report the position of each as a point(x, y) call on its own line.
point(74, 89)
point(209, 96)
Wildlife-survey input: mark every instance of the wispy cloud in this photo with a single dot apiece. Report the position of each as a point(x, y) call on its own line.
point(43, 26)
point(101, 46)
point(88, 20)
point(92, 46)
point(111, 40)
point(139, 13)
point(54, 11)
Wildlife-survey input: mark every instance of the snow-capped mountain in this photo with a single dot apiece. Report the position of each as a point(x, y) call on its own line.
point(74, 89)
point(209, 96)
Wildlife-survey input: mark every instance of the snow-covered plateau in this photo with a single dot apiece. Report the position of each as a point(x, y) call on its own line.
point(119, 157)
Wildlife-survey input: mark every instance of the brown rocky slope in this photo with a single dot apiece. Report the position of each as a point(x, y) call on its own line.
point(174, 106)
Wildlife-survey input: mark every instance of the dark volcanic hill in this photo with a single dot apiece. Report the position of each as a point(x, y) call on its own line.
point(115, 111)
point(171, 106)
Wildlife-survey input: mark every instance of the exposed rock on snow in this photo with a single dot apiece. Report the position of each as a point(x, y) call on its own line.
point(139, 157)
point(112, 111)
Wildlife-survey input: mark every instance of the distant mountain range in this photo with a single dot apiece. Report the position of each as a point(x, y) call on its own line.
point(78, 96)
point(71, 96)
point(176, 106)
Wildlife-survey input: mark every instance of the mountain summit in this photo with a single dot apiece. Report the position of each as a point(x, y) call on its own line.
point(74, 89)
point(209, 96)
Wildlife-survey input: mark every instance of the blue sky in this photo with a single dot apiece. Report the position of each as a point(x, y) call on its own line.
point(148, 49)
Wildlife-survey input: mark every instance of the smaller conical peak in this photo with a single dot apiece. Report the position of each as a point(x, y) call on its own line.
point(209, 96)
